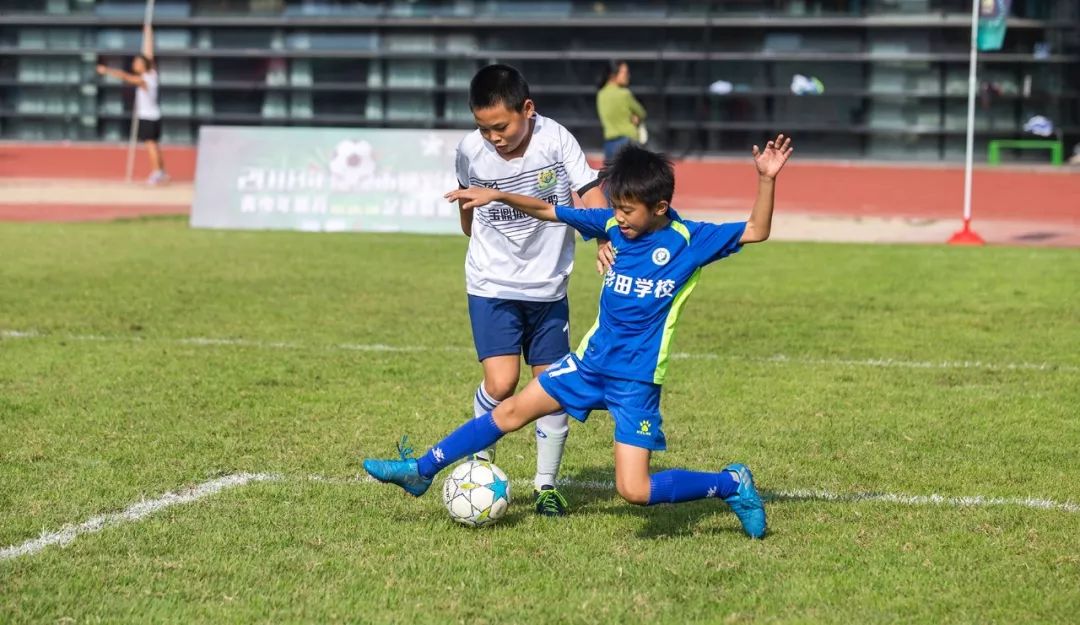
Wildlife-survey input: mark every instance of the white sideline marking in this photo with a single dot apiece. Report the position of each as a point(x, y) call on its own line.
point(916, 364)
point(143, 509)
point(977, 501)
point(380, 347)
point(134, 512)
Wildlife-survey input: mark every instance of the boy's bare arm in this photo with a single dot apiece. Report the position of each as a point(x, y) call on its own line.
point(769, 162)
point(594, 198)
point(474, 197)
point(466, 215)
point(759, 225)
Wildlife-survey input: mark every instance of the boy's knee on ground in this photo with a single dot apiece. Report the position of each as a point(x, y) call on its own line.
point(633, 490)
point(632, 479)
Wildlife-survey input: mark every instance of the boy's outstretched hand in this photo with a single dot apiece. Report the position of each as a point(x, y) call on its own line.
point(473, 197)
point(771, 160)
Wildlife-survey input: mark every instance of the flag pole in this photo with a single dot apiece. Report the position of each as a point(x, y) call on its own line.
point(134, 133)
point(967, 236)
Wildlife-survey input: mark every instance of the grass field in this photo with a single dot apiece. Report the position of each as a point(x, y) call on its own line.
point(141, 357)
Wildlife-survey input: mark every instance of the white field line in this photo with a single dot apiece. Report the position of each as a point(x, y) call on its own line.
point(809, 495)
point(134, 512)
point(140, 510)
point(885, 363)
point(977, 501)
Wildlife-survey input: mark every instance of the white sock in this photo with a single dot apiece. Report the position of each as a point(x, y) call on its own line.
point(483, 404)
point(551, 431)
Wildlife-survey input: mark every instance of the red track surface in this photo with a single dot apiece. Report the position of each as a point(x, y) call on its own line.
point(84, 212)
point(844, 189)
point(892, 191)
point(87, 161)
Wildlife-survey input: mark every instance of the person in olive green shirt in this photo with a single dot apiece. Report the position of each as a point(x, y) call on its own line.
point(620, 113)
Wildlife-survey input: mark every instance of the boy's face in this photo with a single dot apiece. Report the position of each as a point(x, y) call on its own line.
point(138, 65)
point(504, 127)
point(622, 77)
point(636, 219)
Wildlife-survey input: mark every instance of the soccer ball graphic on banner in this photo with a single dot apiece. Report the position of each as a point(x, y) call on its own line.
point(351, 164)
point(476, 493)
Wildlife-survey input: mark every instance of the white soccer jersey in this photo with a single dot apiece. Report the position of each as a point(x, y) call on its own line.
point(512, 255)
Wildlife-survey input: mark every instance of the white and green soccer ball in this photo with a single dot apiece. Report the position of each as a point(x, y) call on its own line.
point(476, 493)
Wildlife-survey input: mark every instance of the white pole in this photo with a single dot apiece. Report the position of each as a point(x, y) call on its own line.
point(970, 152)
point(147, 17)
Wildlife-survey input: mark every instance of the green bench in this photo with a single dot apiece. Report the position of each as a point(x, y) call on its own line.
point(1057, 150)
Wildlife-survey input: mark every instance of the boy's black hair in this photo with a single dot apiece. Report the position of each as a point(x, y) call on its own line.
point(498, 84)
point(640, 175)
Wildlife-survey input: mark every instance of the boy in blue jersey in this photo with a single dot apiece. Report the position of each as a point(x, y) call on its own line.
point(622, 361)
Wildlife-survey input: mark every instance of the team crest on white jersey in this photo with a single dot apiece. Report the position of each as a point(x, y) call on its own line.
point(546, 179)
point(661, 256)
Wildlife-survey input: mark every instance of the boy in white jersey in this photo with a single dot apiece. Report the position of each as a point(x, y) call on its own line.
point(517, 267)
point(144, 77)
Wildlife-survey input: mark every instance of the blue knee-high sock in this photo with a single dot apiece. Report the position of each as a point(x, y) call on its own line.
point(473, 436)
point(678, 485)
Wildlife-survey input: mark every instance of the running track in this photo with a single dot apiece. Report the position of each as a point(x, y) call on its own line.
point(1045, 197)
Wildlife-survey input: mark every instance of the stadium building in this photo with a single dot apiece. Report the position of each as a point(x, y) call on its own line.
point(878, 79)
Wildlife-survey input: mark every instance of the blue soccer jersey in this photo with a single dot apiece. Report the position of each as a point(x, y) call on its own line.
point(644, 294)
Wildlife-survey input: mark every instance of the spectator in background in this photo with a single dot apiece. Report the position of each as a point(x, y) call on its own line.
point(144, 77)
point(621, 115)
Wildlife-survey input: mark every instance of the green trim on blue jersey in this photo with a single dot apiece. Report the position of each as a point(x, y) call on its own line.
point(669, 325)
point(611, 223)
point(680, 227)
point(588, 335)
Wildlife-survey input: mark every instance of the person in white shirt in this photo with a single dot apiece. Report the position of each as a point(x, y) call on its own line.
point(517, 267)
point(144, 77)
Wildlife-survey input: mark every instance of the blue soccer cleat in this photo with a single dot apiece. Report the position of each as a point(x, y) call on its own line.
point(403, 472)
point(746, 503)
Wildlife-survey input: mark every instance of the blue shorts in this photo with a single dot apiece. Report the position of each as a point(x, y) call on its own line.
point(634, 405)
point(539, 330)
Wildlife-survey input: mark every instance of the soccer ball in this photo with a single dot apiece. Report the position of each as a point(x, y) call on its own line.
point(476, 493)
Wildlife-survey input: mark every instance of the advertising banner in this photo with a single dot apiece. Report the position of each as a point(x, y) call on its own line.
point(325, 179)
point(993, 15)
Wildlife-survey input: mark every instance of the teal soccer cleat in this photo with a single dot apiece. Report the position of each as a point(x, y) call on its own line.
point(746, 503)
point(403, 472)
